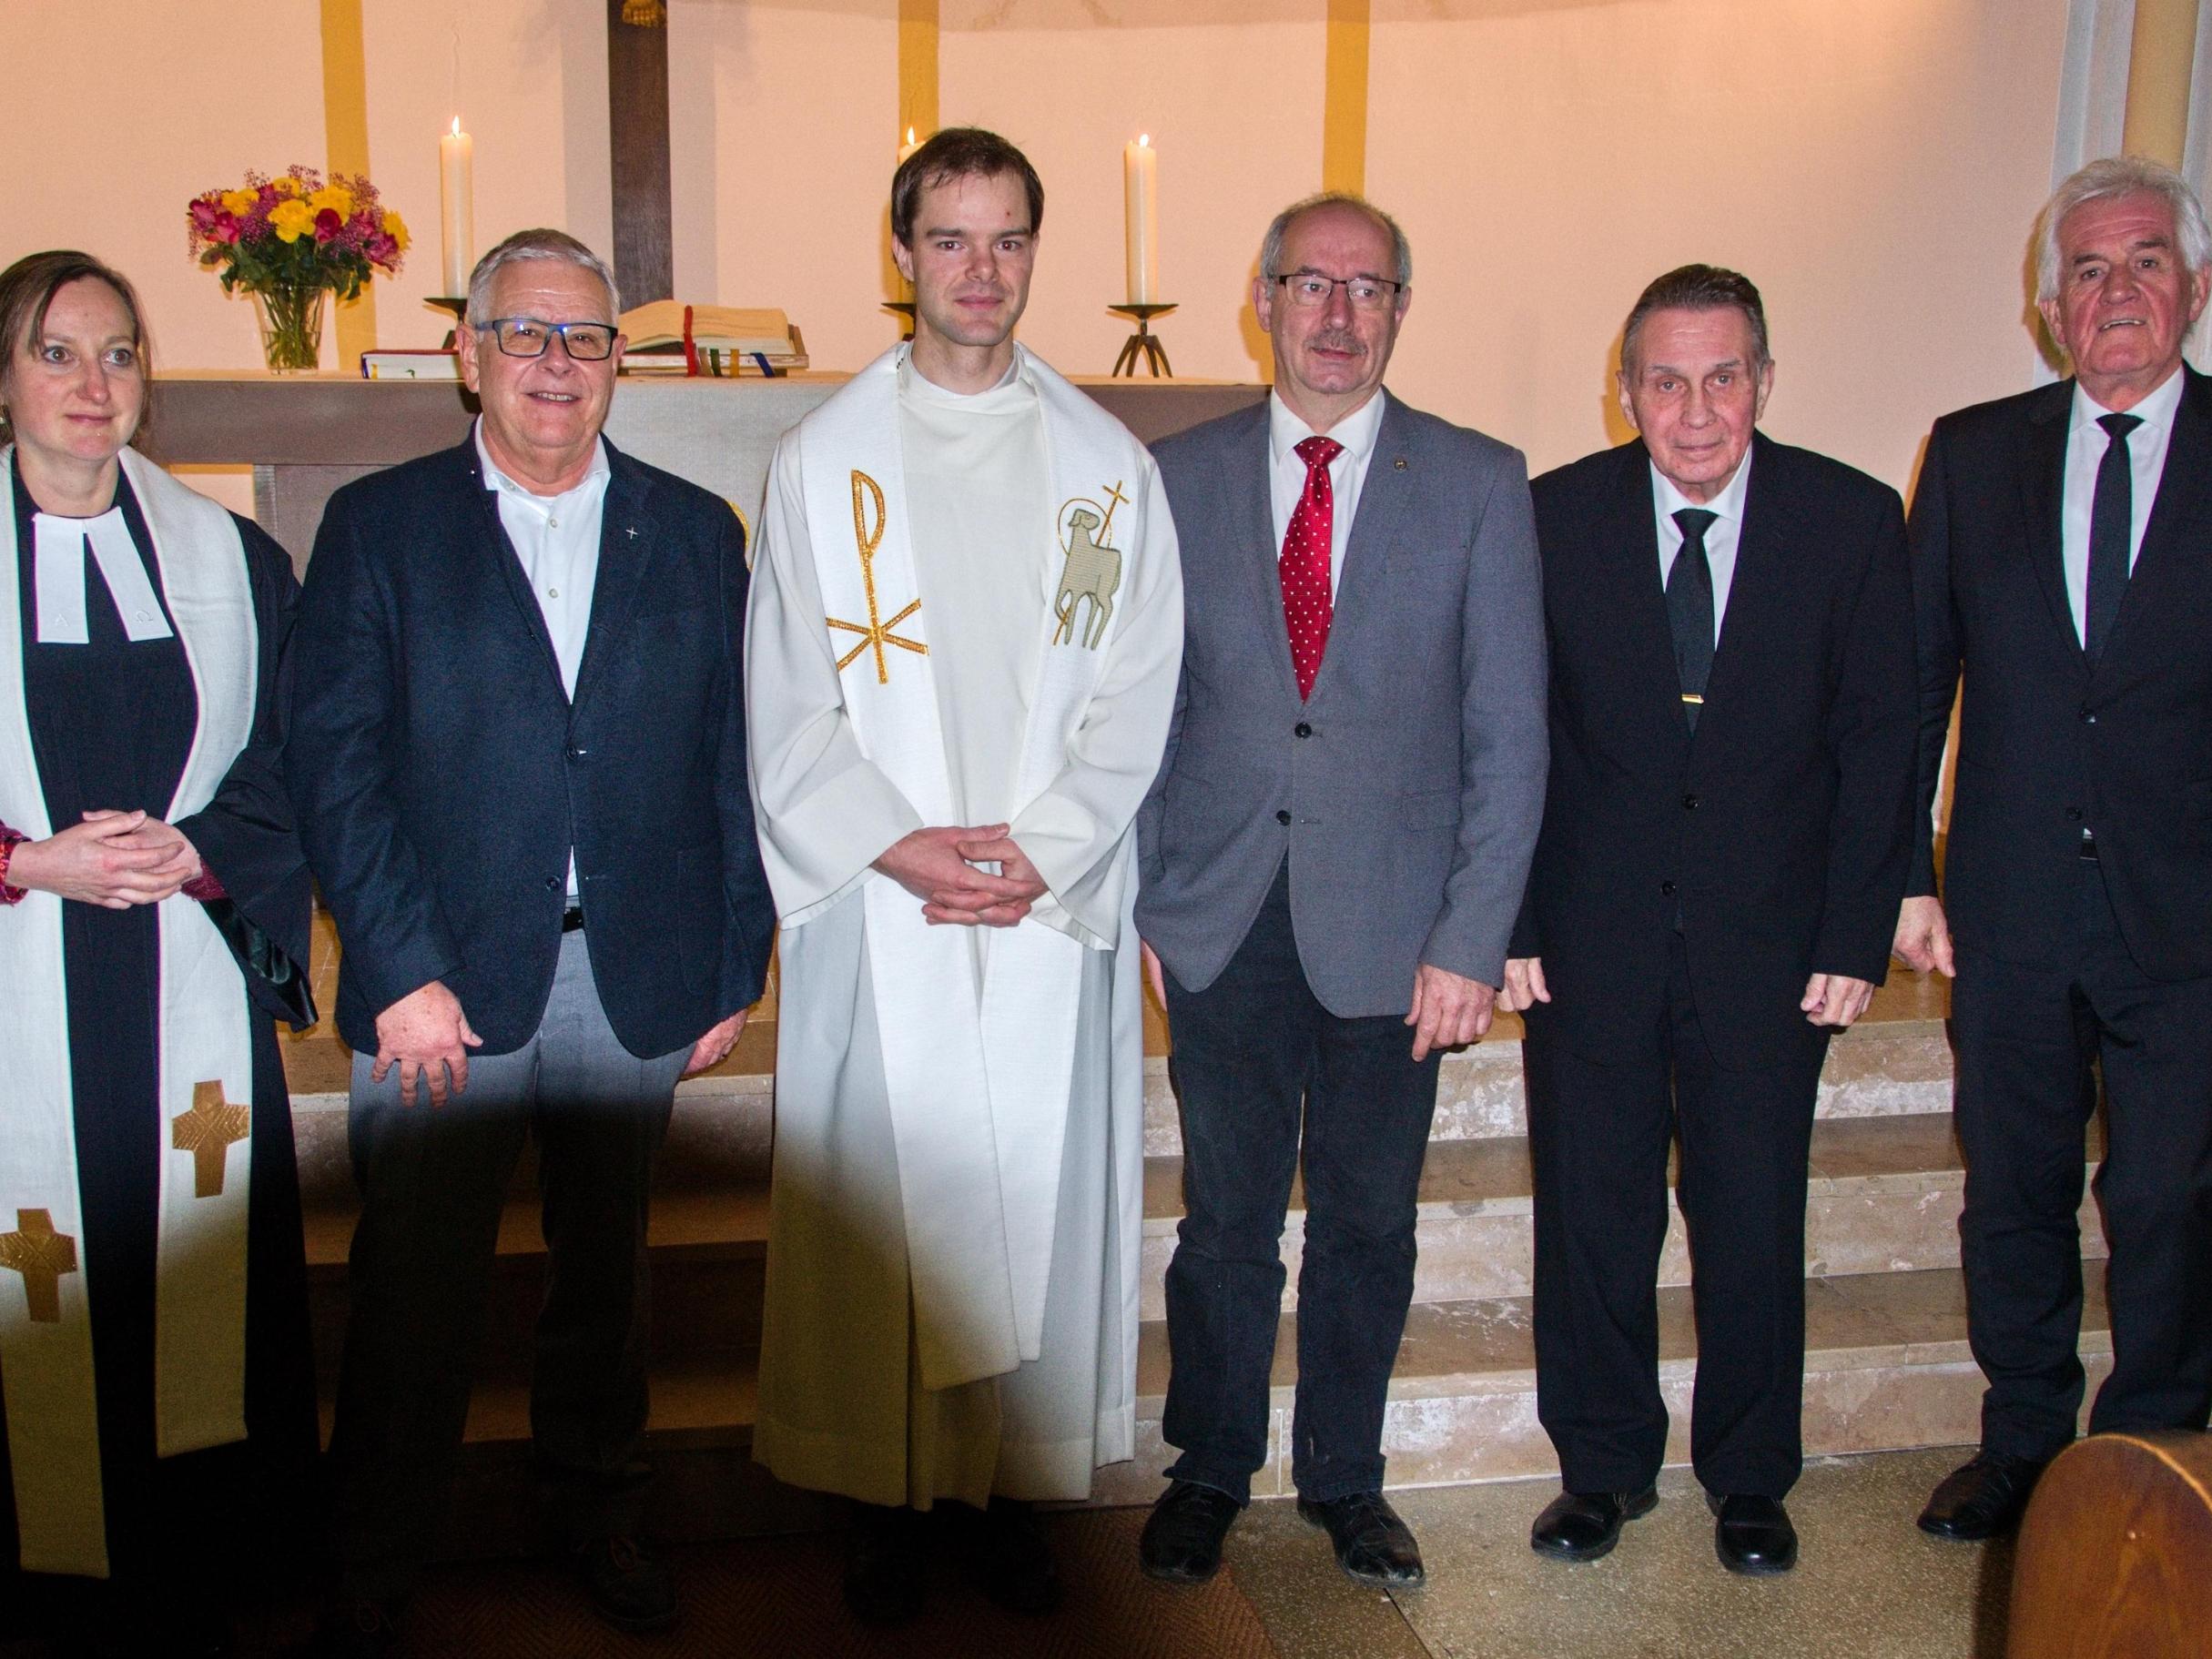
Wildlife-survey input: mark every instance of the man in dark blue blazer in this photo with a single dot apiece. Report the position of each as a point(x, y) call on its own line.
point(520, 772)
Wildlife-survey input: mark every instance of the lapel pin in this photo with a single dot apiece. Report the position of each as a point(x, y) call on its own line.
point(631, 532)
point(1399, 464)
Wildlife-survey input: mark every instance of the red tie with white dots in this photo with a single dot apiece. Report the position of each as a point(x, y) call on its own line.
point(1307, 606)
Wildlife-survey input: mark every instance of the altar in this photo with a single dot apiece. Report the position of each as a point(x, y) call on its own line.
point(305, 435)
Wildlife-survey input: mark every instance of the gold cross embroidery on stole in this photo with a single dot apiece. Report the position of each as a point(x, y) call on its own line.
point(878, 633)
point(42, 1256)
point(207, 1132)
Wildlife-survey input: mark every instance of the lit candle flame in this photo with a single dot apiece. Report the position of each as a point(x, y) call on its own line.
point(1144, 140)
point(456, 126)
point(909, 135)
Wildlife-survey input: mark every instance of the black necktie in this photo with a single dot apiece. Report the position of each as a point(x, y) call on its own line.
point(2112, 524)
point(1689, 609)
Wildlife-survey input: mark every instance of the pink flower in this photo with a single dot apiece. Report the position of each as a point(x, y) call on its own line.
point(224, 229)
point(205, 210)
point(327, 225)
point(382, 250)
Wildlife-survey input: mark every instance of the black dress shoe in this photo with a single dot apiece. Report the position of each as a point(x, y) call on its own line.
point(887, 1555)
point(1008, 1556)
point(1584, 1526)
point(1753, 1535)
point(628, 1584)
point(1982, 1499)
point(1182, 1541)
point(1373, 1545)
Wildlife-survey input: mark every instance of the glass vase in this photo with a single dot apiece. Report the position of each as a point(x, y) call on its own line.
point(291, 328)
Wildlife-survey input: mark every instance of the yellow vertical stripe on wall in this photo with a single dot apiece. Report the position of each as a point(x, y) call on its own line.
point(918, 24)
point(345, 121)
point(2160, 56)
point(1344, 109)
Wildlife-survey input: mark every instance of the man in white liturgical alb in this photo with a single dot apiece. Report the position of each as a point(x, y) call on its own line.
point(962, 646)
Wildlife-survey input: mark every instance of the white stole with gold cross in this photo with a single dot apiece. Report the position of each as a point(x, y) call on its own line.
point(205, 1067)
point(979, 1083)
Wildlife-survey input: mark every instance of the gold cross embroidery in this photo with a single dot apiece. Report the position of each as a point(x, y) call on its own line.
point(207, 1132)
point(42, 1256)
point(878, 633)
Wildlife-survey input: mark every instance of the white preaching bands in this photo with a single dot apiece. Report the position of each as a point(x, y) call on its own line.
point(60, 579)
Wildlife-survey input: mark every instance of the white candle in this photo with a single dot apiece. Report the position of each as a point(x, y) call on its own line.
point(908, 147)
point(1140, 202)
point(456, 207)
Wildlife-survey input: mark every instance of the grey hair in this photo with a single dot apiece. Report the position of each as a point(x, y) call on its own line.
point(1278, 228)
point(540, 244)
point(2120, 176)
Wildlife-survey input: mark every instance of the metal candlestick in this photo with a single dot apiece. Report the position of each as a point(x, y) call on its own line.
point(458, 305)
point(1143, 342)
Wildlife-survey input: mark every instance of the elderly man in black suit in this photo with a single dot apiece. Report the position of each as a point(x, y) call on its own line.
point(2061, 555)
point(520, 770)
point(1731, 738)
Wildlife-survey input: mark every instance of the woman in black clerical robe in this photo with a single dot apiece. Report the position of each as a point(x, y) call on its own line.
point(158, 1430)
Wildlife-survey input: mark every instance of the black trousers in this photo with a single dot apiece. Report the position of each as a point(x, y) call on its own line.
point(2025, 1034)
point(1255, 1053)
point(1598, 1138)
point(433, 1183)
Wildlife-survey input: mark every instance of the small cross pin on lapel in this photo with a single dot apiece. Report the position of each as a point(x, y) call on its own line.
point(631, 532)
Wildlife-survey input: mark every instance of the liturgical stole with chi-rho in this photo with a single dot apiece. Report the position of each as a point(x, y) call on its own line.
point(205, 1066)
point(979, 1083)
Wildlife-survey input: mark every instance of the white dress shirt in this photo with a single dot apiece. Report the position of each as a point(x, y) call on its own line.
point(556, 537)
point(1356, 431)
point(1720, 536)
point(2085, 445)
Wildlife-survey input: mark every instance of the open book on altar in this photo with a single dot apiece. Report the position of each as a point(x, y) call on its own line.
point(668, 336)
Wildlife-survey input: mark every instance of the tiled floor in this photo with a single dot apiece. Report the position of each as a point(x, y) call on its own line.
point(1869, 1585)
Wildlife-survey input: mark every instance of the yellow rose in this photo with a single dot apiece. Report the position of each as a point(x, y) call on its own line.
point(292, 219)
point(336, 198)
point(396, 228)
point(285, 185)
point(240, 202)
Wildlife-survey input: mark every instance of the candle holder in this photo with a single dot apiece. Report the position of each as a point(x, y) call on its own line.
point(1143, 342)
point(458, 303)
point(905, 307)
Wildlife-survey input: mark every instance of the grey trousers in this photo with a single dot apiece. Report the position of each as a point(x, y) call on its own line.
point(433, 1181)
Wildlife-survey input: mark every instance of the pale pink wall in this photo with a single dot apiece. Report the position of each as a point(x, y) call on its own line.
point(1235, 110)
point(119, 113)
point(800, 142)
point(1874, 167)
point(529, 80)
point(1872, 164)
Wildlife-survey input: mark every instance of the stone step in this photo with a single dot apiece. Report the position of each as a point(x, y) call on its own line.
point(1886, 1368)
point(1883, 1196)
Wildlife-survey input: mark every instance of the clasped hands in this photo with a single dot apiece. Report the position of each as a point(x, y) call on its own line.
point(938, 866)
point(1829, 999)
point(112, 859)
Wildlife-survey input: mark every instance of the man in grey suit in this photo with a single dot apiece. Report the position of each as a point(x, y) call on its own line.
point(1332, 858)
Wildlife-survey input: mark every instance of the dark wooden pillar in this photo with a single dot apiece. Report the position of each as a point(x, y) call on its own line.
point(637, 110)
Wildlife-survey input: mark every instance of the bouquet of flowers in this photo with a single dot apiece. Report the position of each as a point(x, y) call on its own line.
point(290, 239)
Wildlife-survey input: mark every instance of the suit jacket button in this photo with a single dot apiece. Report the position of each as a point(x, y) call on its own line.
point(553, 883)
point(1689, 804)
point(2087, 718)
point(1283, 817)
point(1667, 889)
point(1303, 729)
point(2073, 814)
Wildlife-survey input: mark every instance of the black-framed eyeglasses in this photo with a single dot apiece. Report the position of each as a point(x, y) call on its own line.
point(1311, 289)
point(587, 342)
